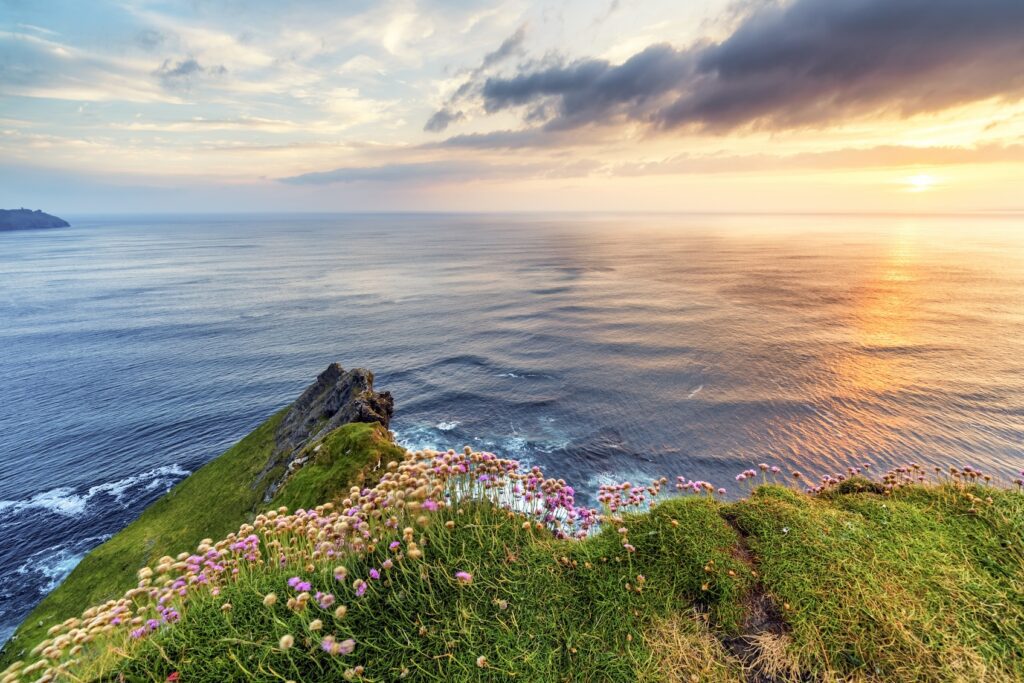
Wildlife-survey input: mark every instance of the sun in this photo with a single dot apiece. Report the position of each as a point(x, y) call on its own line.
point(920, 183)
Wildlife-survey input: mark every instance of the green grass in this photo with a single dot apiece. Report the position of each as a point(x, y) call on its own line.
point(538, 609)
point(212, 502)
point(925, 583)
point(348, 456)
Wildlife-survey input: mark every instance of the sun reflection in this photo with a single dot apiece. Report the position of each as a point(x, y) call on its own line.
point(882, 318)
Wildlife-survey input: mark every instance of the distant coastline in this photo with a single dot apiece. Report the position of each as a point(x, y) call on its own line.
point(27, 219)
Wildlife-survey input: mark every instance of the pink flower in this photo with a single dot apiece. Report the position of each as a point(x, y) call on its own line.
point(464, 577)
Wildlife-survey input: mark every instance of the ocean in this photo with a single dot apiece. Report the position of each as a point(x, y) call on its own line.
point(600, 347)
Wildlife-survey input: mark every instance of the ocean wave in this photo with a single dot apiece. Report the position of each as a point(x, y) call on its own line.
point(49, 567)
point(67, 501)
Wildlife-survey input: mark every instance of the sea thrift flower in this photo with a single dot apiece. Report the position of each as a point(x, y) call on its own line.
point(360, 587)
point(374, 574)
point(464, 577)
point(316, 625)
point(286, 641)
point(481, 661)
point(270, 599)
point(333, 647)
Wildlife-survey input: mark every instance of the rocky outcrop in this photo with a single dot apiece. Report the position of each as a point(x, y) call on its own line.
point(26, 219)
point(336, 398)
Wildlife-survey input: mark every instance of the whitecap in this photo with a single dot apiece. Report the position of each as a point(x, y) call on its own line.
point(447, 426)
point(62, 501)
point(161, 477)
point(65, 501)
point(52, 565)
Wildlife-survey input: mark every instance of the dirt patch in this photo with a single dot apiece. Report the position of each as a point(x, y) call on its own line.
point(763, 642)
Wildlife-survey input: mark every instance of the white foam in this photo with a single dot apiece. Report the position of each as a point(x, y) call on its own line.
point(61, 500)
point(55, 563)
point(64, 500)
point(447, 426)
point(695, 391)
point(161, 477)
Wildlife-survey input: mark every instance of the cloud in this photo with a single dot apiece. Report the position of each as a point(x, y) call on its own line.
point(150, 39)
point(445, 170)
point(881, 156)
point(509, 47)
point(517, 139)
point(389, 173)
point(441, 119)
point(802, 63)
point(448, 114)
point(181, 74)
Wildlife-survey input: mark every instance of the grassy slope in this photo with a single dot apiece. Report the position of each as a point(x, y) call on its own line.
point(927, 584)
point(923, 585)
point(212, 502)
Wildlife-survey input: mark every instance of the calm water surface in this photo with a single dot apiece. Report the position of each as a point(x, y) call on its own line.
point(601, 348)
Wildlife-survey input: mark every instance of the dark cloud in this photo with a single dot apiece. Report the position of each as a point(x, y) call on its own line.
point(448, 114)
point(807, 62)
point(441, 119)
point(180, 75)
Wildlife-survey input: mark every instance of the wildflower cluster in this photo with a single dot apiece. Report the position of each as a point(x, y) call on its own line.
point(373, 522)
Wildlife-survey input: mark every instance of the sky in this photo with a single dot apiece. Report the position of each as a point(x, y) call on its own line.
point(453, 105)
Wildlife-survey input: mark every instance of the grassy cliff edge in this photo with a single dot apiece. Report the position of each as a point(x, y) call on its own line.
point(464, 567)
point(211, 502)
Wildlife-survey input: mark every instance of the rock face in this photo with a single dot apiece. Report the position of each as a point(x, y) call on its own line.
point(25, 219)
point(336, 398)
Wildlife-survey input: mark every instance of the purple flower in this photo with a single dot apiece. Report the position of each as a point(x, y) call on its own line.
point(394, 545)
point(374, 574)
point(464, 577)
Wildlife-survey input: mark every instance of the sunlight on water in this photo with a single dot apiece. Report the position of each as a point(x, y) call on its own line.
point(597, 347)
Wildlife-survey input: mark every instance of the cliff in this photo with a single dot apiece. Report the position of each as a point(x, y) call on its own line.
point(463, 566)
point(303, 455)
point(26, 219)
